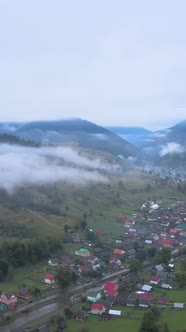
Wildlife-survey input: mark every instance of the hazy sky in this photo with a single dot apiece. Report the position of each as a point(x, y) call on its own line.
point(112, 62)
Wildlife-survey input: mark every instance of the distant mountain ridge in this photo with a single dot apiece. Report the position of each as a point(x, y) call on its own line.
point(166, 147)
point(129, 130)
point(134, 135)
point(83, 132)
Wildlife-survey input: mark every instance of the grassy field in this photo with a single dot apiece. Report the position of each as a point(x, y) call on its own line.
point(27, 223)
point(174, 319)
point(130, 321)
point(27, 276)
point(95, 325)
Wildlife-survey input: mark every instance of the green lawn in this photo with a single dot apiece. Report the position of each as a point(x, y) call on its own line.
point(176, 320)
point(176, 295)
point(29, 276)
point(96, 325)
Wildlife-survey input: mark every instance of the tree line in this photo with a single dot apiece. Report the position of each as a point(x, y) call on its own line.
point(14, 140)
point(20, 253)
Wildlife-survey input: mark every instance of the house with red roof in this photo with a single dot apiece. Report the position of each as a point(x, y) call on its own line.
point(118, 252)
point(49, 279)
point(166, 242)
point(127, 224)
point(163, 234)
point(111, 288)
point(112, 292)
point(163, 300)
point(110, 285)
point(83, 269)
point(97, 308)
point(116, 260)
point(155, 280)
point(173, 231)
point(121, 217)
point(145, 296)
point(8, 298)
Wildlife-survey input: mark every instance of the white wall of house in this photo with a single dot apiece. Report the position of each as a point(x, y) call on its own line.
point(49, 281)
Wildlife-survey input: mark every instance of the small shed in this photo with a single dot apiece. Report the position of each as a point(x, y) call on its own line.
point(117, 313)
point(144, 303)
point(166, 286)
point(179, 306)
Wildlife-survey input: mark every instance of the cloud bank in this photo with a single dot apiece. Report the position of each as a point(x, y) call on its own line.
point(171, 148)
point(24, 165)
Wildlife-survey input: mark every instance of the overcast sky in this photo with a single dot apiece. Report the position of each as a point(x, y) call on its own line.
point(114, 62)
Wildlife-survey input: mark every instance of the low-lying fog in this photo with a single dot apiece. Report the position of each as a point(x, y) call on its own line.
point(27, 165)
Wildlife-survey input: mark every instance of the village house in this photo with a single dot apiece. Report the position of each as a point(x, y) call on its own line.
point(96, 267)
point(118, 241)
point(93, 296)
point(171, 267)
point(179, 306)
point(53, 262)
point(166, 286)
point(106, 303)
point(155, 280)
point(97, 309)
point(82, 252)
point(105, 316)
point(131, 302)
point(115, 313)
point(118, 252)
point(114, 266)
point(166, 243)
point(163, 300)
point(83, 269)
point(110, 288)
point(121, 217)
point(111, 298)
point(24, 293)
point(159, 268)
point(3, 307)
point(131, 254)
point(8, 298)
point(127, 224)
point(116, 260)
point(146, 288)
point(122, 298)
point(144, 303)
point(49, 279)
point(80, 315)
point(146, 297)
point(93, 260)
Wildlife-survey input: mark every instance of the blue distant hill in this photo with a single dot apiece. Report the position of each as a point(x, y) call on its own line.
point(129, 130)
point(85, 133)
point(135, 135)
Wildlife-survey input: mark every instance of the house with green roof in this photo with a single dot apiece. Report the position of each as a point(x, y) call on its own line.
point(82, 252)
point(93, 296)
point(3, 307)
point(181, 227)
